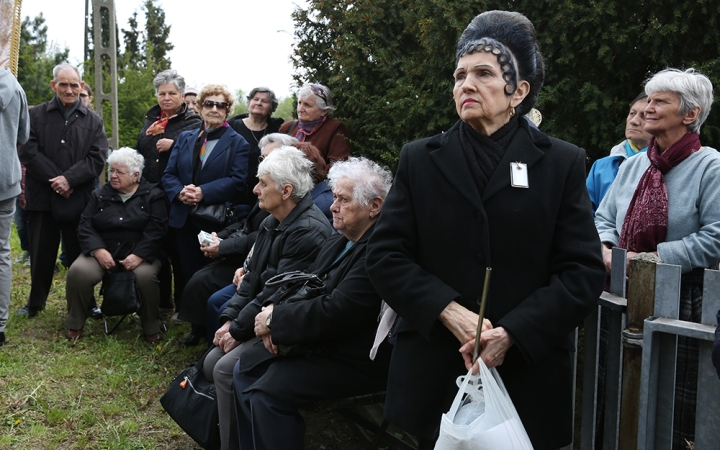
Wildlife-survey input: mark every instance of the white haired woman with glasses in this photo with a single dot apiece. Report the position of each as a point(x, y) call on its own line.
point(666, 202)
point(207, 167)
point(126, 215)
point(314, 125)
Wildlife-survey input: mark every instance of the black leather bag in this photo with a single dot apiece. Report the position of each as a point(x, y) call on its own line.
point(218, 214)
point(191, 401)
point(295, 286)
point(121, 296)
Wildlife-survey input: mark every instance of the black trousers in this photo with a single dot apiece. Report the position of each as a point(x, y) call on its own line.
point(204, 283)
point(265, 422)
point(44, 242)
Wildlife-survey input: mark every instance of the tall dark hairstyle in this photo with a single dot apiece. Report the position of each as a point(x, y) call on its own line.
point(518, 52)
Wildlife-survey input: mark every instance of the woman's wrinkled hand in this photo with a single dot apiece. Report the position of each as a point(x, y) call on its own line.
point(494, 343)
point(104, 258)
point(212, 250)
point(461, 322)
point(239, 274)
point(131, 262)
point(164, 145)
point(222, 331)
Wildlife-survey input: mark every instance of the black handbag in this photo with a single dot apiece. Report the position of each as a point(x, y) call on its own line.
point(294, 286)
point(218, 213)
point(121, 296)
point(191, 401)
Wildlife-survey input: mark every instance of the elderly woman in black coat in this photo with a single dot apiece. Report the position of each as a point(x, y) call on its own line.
point(489, 192)
point(335, 330)
point(127, 215)
point(289, 239)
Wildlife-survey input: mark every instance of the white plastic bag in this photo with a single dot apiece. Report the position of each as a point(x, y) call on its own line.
point(482, 416)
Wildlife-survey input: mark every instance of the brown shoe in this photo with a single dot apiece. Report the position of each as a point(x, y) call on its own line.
point(73, 335)
point(152, 338)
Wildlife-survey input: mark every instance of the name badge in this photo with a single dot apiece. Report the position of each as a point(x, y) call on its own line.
point(519, 175)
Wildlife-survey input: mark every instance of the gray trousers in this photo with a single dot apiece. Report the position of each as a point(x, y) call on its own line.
point(86, 272)
point(7, 210)
point(218, 368)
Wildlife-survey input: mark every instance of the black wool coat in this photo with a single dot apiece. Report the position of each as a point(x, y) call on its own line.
point(432, 244)
point(156, 162)
point(109, 223)
point(280, 247)
point(75, 148)
point(337, 328)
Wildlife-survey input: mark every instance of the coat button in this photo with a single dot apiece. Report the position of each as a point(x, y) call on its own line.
point(121, 218)
point(62, 141)
point(480, 258)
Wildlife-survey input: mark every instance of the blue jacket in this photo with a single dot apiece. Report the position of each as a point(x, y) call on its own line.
point(217, 184)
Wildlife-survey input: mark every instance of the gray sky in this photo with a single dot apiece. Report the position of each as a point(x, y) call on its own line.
point(238, 43)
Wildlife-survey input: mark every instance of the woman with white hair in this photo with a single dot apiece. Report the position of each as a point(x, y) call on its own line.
point(318, 348)
point(314, 125)
point(122, 228)
point(666, 202)
point(289, 239)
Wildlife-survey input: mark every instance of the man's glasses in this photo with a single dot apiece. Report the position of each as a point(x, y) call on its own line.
point(221, 106)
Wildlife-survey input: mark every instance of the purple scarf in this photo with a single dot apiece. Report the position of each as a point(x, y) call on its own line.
point(646, 221)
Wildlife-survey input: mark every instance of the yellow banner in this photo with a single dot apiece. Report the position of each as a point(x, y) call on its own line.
point(10, 20)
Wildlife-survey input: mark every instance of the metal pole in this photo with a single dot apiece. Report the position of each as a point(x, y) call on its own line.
point(640, 303)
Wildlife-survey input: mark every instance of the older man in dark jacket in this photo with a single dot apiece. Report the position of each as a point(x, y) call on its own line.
point(66, 152)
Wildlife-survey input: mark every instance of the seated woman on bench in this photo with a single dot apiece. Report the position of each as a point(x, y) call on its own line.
point(318, 348)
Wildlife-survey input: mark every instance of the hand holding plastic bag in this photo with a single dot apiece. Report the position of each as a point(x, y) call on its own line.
point(482, 416)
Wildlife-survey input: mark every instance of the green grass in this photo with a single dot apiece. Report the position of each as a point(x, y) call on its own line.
point(100, 392)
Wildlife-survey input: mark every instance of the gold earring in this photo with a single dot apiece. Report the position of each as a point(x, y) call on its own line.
point(512, 111)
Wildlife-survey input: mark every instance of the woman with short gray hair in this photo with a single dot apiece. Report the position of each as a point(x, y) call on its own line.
point(163, 123)
point(254, 126)
point(132, 243)
point(289, 239)
point(314, 108)
point(666, 202)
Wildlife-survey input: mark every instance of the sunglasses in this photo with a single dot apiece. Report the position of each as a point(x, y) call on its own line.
point(221, 106)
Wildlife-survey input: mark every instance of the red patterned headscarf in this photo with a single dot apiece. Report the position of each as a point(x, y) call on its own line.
point(646, 221)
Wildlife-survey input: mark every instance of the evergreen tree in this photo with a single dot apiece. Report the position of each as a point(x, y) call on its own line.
point(389, 63)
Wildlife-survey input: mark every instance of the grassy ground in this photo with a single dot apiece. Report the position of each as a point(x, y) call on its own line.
point(100, 392)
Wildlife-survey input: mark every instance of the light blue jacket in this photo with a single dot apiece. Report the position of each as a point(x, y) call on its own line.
point(693, 186)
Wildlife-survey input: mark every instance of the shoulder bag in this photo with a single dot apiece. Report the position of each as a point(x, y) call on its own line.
point(191, 401)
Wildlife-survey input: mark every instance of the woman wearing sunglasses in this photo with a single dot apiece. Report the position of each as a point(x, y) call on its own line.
point(207, 167)
point(314, 125)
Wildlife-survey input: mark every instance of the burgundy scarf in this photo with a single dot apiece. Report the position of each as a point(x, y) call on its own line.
point(306, 129)
point(646, 221)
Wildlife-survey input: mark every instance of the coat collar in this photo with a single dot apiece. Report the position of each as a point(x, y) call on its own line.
point(222, 145)
point(303, 205)
point(527, 146)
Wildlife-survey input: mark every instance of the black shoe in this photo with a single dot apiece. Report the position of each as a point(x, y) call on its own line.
point(27, 311)
point(95, 313)
point(191, 340)
point(2, 338)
